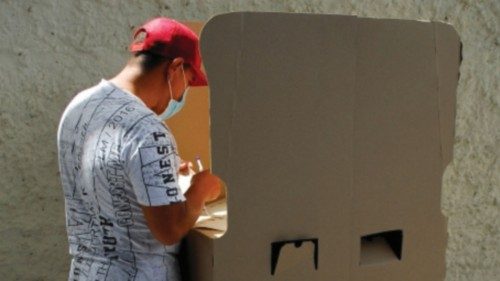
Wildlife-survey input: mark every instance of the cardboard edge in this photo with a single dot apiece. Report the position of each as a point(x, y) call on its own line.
point(211, 26)
point(448, 48)
point(445, 37)
point(356, 248)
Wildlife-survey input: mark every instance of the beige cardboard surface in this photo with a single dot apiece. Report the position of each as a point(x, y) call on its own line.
point(328, 127)
point(270, 121)
point(397, 159)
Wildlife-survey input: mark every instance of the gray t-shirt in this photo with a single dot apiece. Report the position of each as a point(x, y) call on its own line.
point(115, 155)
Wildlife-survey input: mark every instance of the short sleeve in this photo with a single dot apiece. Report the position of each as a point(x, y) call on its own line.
point(153, 163)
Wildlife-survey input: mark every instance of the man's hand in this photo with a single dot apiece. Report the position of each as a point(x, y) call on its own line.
point(210, 185)
point(185, 168)
point(170, 223)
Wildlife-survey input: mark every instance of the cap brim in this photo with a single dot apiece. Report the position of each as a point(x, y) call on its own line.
point(199, 78)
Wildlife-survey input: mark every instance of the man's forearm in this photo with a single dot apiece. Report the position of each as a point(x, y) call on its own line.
point(170, 223)
point(193, 207)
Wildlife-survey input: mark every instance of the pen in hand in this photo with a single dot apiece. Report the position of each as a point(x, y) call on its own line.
point(198, 163)
point(200, 169)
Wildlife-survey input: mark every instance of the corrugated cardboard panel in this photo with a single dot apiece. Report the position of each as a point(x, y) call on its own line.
point(331, 128)
point(286, 158)
point(220, 63)
point(397, 162)
point(221, 53)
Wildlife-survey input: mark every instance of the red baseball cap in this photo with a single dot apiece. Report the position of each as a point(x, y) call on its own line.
point(170, 38)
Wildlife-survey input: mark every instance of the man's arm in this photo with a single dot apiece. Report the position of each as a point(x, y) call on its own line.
point(170, 223)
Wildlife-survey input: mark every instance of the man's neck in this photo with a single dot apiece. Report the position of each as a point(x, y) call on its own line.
point(145, 87)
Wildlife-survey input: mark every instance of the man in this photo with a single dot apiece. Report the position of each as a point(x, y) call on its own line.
point(119, 163)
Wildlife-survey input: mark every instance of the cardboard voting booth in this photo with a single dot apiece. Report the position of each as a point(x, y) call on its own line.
point(332, 134)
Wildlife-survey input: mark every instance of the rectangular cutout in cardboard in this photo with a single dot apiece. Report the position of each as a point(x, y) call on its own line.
point(302, 253)
point(381, 247)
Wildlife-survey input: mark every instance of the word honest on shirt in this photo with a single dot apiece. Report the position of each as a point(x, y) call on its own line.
point(165, 165)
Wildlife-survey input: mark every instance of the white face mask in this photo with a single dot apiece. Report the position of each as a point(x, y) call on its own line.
point(175, 106)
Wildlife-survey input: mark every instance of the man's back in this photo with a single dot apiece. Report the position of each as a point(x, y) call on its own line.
point(114, 156)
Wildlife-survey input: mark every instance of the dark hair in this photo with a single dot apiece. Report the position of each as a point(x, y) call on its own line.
point(149, 61)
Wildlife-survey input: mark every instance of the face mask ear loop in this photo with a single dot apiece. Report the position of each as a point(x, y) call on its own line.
point(184, 77)
point(186, 86)
point(170, 86)
point(170, 89)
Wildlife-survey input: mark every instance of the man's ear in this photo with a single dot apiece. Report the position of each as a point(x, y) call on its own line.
point(175, 64)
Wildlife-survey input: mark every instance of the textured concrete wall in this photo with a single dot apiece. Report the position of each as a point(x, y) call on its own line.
point(51, 49)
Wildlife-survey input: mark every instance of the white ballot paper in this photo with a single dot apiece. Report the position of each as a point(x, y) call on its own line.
point(185, 181)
